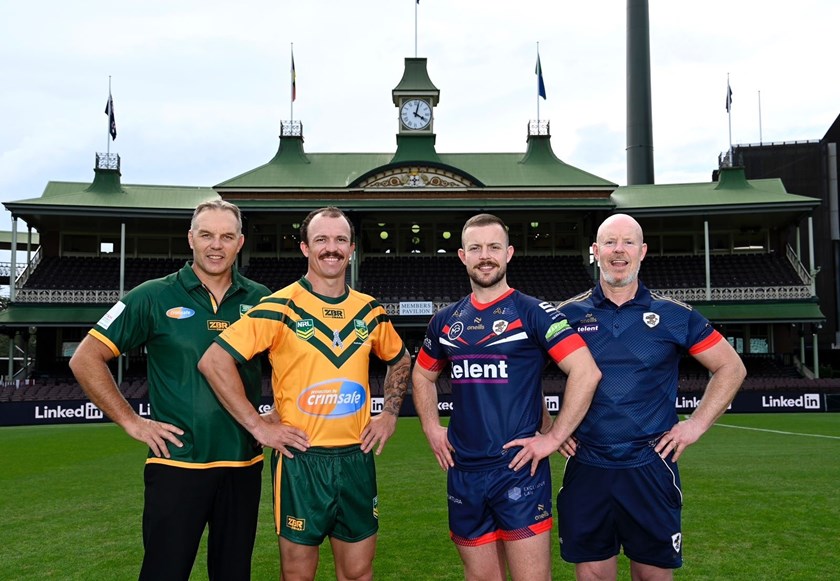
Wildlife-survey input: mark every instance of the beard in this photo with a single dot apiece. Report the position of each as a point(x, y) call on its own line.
point(475, 276)
point(615, 281)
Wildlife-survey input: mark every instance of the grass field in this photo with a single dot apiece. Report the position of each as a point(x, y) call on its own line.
point(761, 502)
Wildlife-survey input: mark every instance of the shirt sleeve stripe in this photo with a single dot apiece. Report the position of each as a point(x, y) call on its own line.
point(428, 362)
point(706, 343)
point(566, 346)
point(108, 343)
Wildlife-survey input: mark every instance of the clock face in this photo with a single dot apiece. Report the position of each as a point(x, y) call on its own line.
point(416, 114)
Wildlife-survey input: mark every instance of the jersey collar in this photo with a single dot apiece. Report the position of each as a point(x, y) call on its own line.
point(642, 296)
point(332, 300)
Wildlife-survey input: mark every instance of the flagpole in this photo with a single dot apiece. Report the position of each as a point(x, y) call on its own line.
point(415, 27)
point(538, 85)
point(292, 87)
point(108, 130)
point(760, 139)
point(729, 115)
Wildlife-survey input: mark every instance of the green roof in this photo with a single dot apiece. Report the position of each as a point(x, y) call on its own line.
point(292, 169)
point(111, 197)
point(733, 193)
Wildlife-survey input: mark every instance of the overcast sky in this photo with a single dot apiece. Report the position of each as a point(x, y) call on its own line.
point(200, 87)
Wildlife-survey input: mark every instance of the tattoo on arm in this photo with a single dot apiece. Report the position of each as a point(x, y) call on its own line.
point(396, 385)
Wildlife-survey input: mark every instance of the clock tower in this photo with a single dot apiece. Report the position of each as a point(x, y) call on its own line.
point(415, 98)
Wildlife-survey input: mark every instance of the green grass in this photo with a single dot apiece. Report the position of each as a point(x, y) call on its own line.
point(758, 505)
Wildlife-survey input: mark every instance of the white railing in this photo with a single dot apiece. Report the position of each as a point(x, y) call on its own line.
point(688, 295)
point(67, 296)
point(797, 265)
point(25, 272)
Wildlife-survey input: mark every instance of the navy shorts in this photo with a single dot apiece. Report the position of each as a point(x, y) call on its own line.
point(498, 504)
point(601, 510)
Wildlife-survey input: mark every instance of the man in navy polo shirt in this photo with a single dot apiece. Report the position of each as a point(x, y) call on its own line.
point(621, 486)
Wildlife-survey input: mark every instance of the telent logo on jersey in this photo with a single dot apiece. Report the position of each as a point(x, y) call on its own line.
point(334, 398)
point(463, 369)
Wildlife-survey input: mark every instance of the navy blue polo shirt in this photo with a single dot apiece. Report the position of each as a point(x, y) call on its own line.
point(638, 347)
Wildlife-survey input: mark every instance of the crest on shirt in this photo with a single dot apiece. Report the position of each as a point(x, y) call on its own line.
point(651, 319)
point(500, 326)
point(676, 541)
point(361, 329)
point(244, 309)
point(305, 329)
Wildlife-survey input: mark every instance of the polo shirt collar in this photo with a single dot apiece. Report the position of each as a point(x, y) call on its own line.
point(189, 280)
point(642, 296)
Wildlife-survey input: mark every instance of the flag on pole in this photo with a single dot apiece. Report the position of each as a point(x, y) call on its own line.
point(294, 77)
point(540, 82)
point(109, 111)
point(728, 97)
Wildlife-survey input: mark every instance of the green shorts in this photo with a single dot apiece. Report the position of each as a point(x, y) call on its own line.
point(325, 492)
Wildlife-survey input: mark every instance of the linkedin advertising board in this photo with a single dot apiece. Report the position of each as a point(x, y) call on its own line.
point(30, 413)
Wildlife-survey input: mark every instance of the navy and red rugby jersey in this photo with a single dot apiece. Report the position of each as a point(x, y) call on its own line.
point(638, 347)
point(497, 353)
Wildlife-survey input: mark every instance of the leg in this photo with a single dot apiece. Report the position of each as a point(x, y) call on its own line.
point(483, 562)
point(606, 570)
point(233, 524)
point(529, 559)
point(354, 561)
point(297, 562)
point(177, 506)
point(642, 572)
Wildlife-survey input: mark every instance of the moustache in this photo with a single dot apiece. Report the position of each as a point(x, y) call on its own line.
point(332, 255)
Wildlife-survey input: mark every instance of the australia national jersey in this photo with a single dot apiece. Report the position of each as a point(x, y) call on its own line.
point(177, 319)
point(638, 347)
point(497, 353)
point(319, 348)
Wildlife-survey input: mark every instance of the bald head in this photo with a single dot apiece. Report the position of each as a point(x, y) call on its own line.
point(622, 223)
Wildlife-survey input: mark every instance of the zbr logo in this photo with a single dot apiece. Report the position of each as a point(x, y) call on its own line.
point(334, 398)
point(180, 313)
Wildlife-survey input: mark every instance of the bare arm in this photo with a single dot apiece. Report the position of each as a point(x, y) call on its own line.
point(424, 393)
point(90, 367)
point(219, 368)
point(583, 377)
point(728, 373)
point(382, 427)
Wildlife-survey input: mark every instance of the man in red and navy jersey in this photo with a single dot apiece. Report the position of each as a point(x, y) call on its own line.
point(621, 486)
point(497, 342)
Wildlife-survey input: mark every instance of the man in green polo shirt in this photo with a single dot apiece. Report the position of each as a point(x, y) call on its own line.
point(203, 467)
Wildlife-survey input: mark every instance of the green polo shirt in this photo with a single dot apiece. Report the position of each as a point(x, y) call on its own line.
point(176, 318)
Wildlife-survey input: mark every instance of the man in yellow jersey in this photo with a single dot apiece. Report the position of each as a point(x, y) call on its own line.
point(320, 335)
point(203, 468)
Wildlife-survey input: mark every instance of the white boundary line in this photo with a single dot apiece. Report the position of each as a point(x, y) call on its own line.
point(778, 432)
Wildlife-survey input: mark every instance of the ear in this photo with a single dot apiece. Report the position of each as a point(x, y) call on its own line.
point(304, 248)
point(462, 255)
point(190, 239)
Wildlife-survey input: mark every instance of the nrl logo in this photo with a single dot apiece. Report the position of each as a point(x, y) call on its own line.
point(361, 329)
point(651, 319)
point(305, 329)
point(499, 327)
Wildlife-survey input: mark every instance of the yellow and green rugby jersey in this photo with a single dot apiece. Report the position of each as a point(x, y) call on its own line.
point(319, 349)
point(176, 318)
